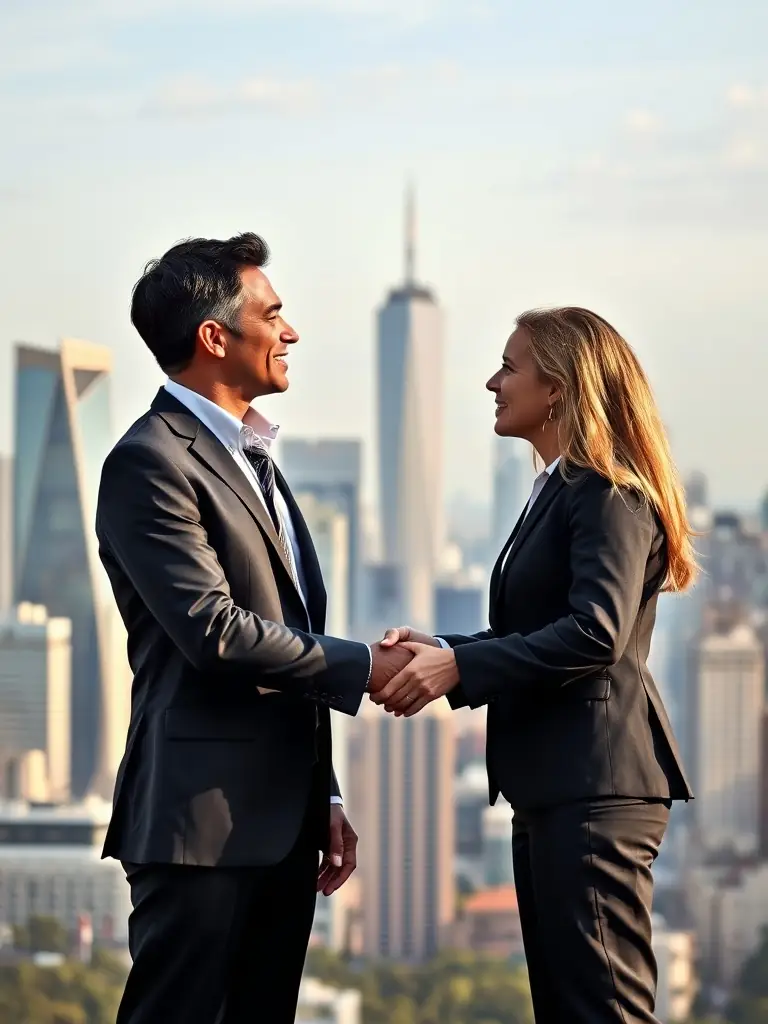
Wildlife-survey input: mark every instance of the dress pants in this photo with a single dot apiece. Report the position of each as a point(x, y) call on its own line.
point(220, 945)
point(584, 890)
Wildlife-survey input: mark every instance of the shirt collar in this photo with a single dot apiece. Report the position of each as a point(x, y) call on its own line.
point(553, 466)
point(222, 424)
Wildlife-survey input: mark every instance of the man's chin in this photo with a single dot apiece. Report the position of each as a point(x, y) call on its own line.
point(279, 384)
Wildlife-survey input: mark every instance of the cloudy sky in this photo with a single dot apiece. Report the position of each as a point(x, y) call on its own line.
point(608, 154)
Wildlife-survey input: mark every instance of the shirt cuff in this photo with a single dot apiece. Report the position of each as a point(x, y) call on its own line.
point(370, 670)
point(442, 643)
point(337, 800)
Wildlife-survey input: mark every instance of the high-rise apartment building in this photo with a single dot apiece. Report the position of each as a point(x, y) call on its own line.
point(404, 812)
point(35, 684)
point(728, 702)
point(62, 435)
point(6, 532)
point(410, 439)
point(331, 470)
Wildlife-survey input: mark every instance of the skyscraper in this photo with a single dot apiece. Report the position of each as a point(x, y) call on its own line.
point(331, 470)
point(404, 812)
point(727, 715)
point(62, 435)
point(410, 437)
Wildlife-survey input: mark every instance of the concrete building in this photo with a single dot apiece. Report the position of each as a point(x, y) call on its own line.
point(331, 471)
point(51, 866)
point(62, 435)
point(729, 907)
point(35, 694)
point(410, 439)
point(727, 719)
point(6, 532)
point(404, 813)
point(676, 960)
point(322, 1004)
point(489, 923)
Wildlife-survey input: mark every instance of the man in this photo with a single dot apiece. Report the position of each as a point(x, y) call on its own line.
point(222, 798)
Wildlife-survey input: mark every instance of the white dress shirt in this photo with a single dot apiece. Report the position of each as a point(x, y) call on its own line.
point(538, 487)
point(229, 430)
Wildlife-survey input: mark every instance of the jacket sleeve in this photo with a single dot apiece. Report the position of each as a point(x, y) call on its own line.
point(148, 522)
point(611, 533)
point(457, 639)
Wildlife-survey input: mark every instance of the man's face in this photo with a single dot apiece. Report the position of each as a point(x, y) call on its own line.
point(256, 356)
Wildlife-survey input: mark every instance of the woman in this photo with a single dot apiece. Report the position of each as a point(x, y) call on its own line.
point(578, 739)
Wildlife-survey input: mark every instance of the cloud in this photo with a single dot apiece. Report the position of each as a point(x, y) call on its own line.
point(748, 97)
point(642, 123)
point(191, 96)
point(746, 154)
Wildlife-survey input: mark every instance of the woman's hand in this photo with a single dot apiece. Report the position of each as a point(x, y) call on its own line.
point(403, 634)
point(430, 675)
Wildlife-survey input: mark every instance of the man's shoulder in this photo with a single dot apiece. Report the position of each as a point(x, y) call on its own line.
point(147, 444)
point(149, 431)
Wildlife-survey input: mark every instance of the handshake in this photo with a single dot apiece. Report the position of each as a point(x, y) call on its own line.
point(410, 670)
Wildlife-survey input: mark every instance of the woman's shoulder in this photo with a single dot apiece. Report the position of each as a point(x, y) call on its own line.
point(588, 486)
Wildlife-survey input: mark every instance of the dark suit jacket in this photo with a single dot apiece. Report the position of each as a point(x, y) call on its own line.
point(215, 773)
point(573, 712)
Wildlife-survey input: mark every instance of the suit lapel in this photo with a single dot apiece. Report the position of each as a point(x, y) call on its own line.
point(313, 576)
point(215, 457)
point(525, 526)
point(496, 574)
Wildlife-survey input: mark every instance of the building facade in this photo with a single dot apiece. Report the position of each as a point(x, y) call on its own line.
point(51, 866)
point(62, 435)
point(404, 812)
point(727, 716)
point(35, 697)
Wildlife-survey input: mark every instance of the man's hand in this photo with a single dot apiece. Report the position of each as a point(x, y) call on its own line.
point(400, 634)
point(431, 674)
point(341, 860)
point(387, 662)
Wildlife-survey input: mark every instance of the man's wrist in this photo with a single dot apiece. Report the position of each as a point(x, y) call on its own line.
point(370, 671)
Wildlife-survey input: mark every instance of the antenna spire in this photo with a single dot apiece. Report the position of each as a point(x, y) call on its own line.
point(410, 235)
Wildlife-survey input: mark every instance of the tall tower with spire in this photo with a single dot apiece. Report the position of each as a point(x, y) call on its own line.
point(410, 434)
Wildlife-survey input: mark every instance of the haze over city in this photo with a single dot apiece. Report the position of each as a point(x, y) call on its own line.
point(606, 156)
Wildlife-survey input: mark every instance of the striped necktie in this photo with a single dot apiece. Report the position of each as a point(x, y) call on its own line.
point(257, 454)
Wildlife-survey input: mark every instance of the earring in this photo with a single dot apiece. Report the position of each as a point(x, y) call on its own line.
point(548, 419)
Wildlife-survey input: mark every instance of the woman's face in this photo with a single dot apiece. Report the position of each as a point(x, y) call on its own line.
point(523, 399)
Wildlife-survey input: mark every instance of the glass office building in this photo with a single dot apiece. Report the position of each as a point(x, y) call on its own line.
point(62, 435)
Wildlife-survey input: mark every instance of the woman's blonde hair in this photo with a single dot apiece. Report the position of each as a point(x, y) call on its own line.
point(608, 420)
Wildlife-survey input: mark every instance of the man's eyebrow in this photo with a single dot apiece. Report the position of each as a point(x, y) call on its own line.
point(274, 308)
